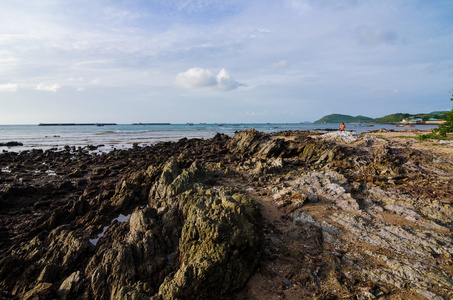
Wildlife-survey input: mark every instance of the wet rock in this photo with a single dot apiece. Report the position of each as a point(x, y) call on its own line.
point(11, 144)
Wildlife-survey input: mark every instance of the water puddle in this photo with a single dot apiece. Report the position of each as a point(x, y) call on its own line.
point(6, 170)
point(121, 218)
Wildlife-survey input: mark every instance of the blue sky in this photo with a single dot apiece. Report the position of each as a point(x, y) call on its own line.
point(222, 61)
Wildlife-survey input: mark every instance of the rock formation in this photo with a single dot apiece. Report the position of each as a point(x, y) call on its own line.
point(296, 215)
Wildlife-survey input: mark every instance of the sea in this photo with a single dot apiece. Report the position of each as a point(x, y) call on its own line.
point(124, 136)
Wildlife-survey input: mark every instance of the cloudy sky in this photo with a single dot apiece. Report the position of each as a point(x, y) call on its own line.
point(213, 61)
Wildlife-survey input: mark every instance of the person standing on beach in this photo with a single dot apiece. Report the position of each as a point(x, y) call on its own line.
point(342, 127)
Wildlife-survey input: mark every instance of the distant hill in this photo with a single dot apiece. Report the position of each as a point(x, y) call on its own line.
point(439, 113)
point(337, 118)
point(394, 118)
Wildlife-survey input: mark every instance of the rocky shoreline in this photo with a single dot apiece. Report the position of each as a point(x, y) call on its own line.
point(292, 215)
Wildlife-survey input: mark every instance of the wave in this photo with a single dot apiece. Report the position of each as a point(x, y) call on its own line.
point(104, 132)
point(130, 131)
point(120, 132)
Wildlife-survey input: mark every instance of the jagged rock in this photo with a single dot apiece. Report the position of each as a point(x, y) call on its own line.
point(130, 191)
point(319, 153)
point(66, 247)
point(174, 181)
point(248, 141)
point(400, 274)
point(210, 250)
point(386, 162)
point(142, 220)
point(19, 266)
point(370, 140)
point(49, 273)
point(216, 257)
point(330, 186)
point(169, 173)
point(43, 290)
point(70, 285)
point(271, 148)
point(353, 219)
point(117, 267)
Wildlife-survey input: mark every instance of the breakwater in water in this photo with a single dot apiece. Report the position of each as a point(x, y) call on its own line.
point(76, 124)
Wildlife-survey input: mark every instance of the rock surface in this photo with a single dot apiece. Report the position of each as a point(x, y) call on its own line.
point(294, 215)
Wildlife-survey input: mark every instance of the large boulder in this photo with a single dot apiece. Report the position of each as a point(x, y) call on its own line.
point(220, 245)
point(191, 242)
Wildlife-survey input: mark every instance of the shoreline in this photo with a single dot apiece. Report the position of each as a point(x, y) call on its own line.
point(125, 136)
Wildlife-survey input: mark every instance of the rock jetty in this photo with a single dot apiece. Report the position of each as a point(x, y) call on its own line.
point(292, 215)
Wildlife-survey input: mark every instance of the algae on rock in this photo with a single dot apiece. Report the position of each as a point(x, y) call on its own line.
point(220, 245)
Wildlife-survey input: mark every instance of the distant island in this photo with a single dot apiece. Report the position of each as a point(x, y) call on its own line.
point(393, 118)
point(337, 118)
point(150, 124)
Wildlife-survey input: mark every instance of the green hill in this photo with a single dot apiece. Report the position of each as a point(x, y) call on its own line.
point(337, 118)
point(394, 118)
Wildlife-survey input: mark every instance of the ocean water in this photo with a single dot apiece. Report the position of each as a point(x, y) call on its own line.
point(123, 136)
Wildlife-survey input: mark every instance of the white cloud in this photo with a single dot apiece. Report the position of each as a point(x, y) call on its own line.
point(202, 78)
point(8, 87)
point(79, 79)
point(226, 82)
point(49, 88)
point(280, 64)
point(196, 78)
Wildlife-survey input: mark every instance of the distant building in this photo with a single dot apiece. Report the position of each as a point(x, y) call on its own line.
point(416, 120)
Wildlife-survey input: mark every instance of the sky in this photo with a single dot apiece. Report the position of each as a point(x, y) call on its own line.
point(229, 61)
